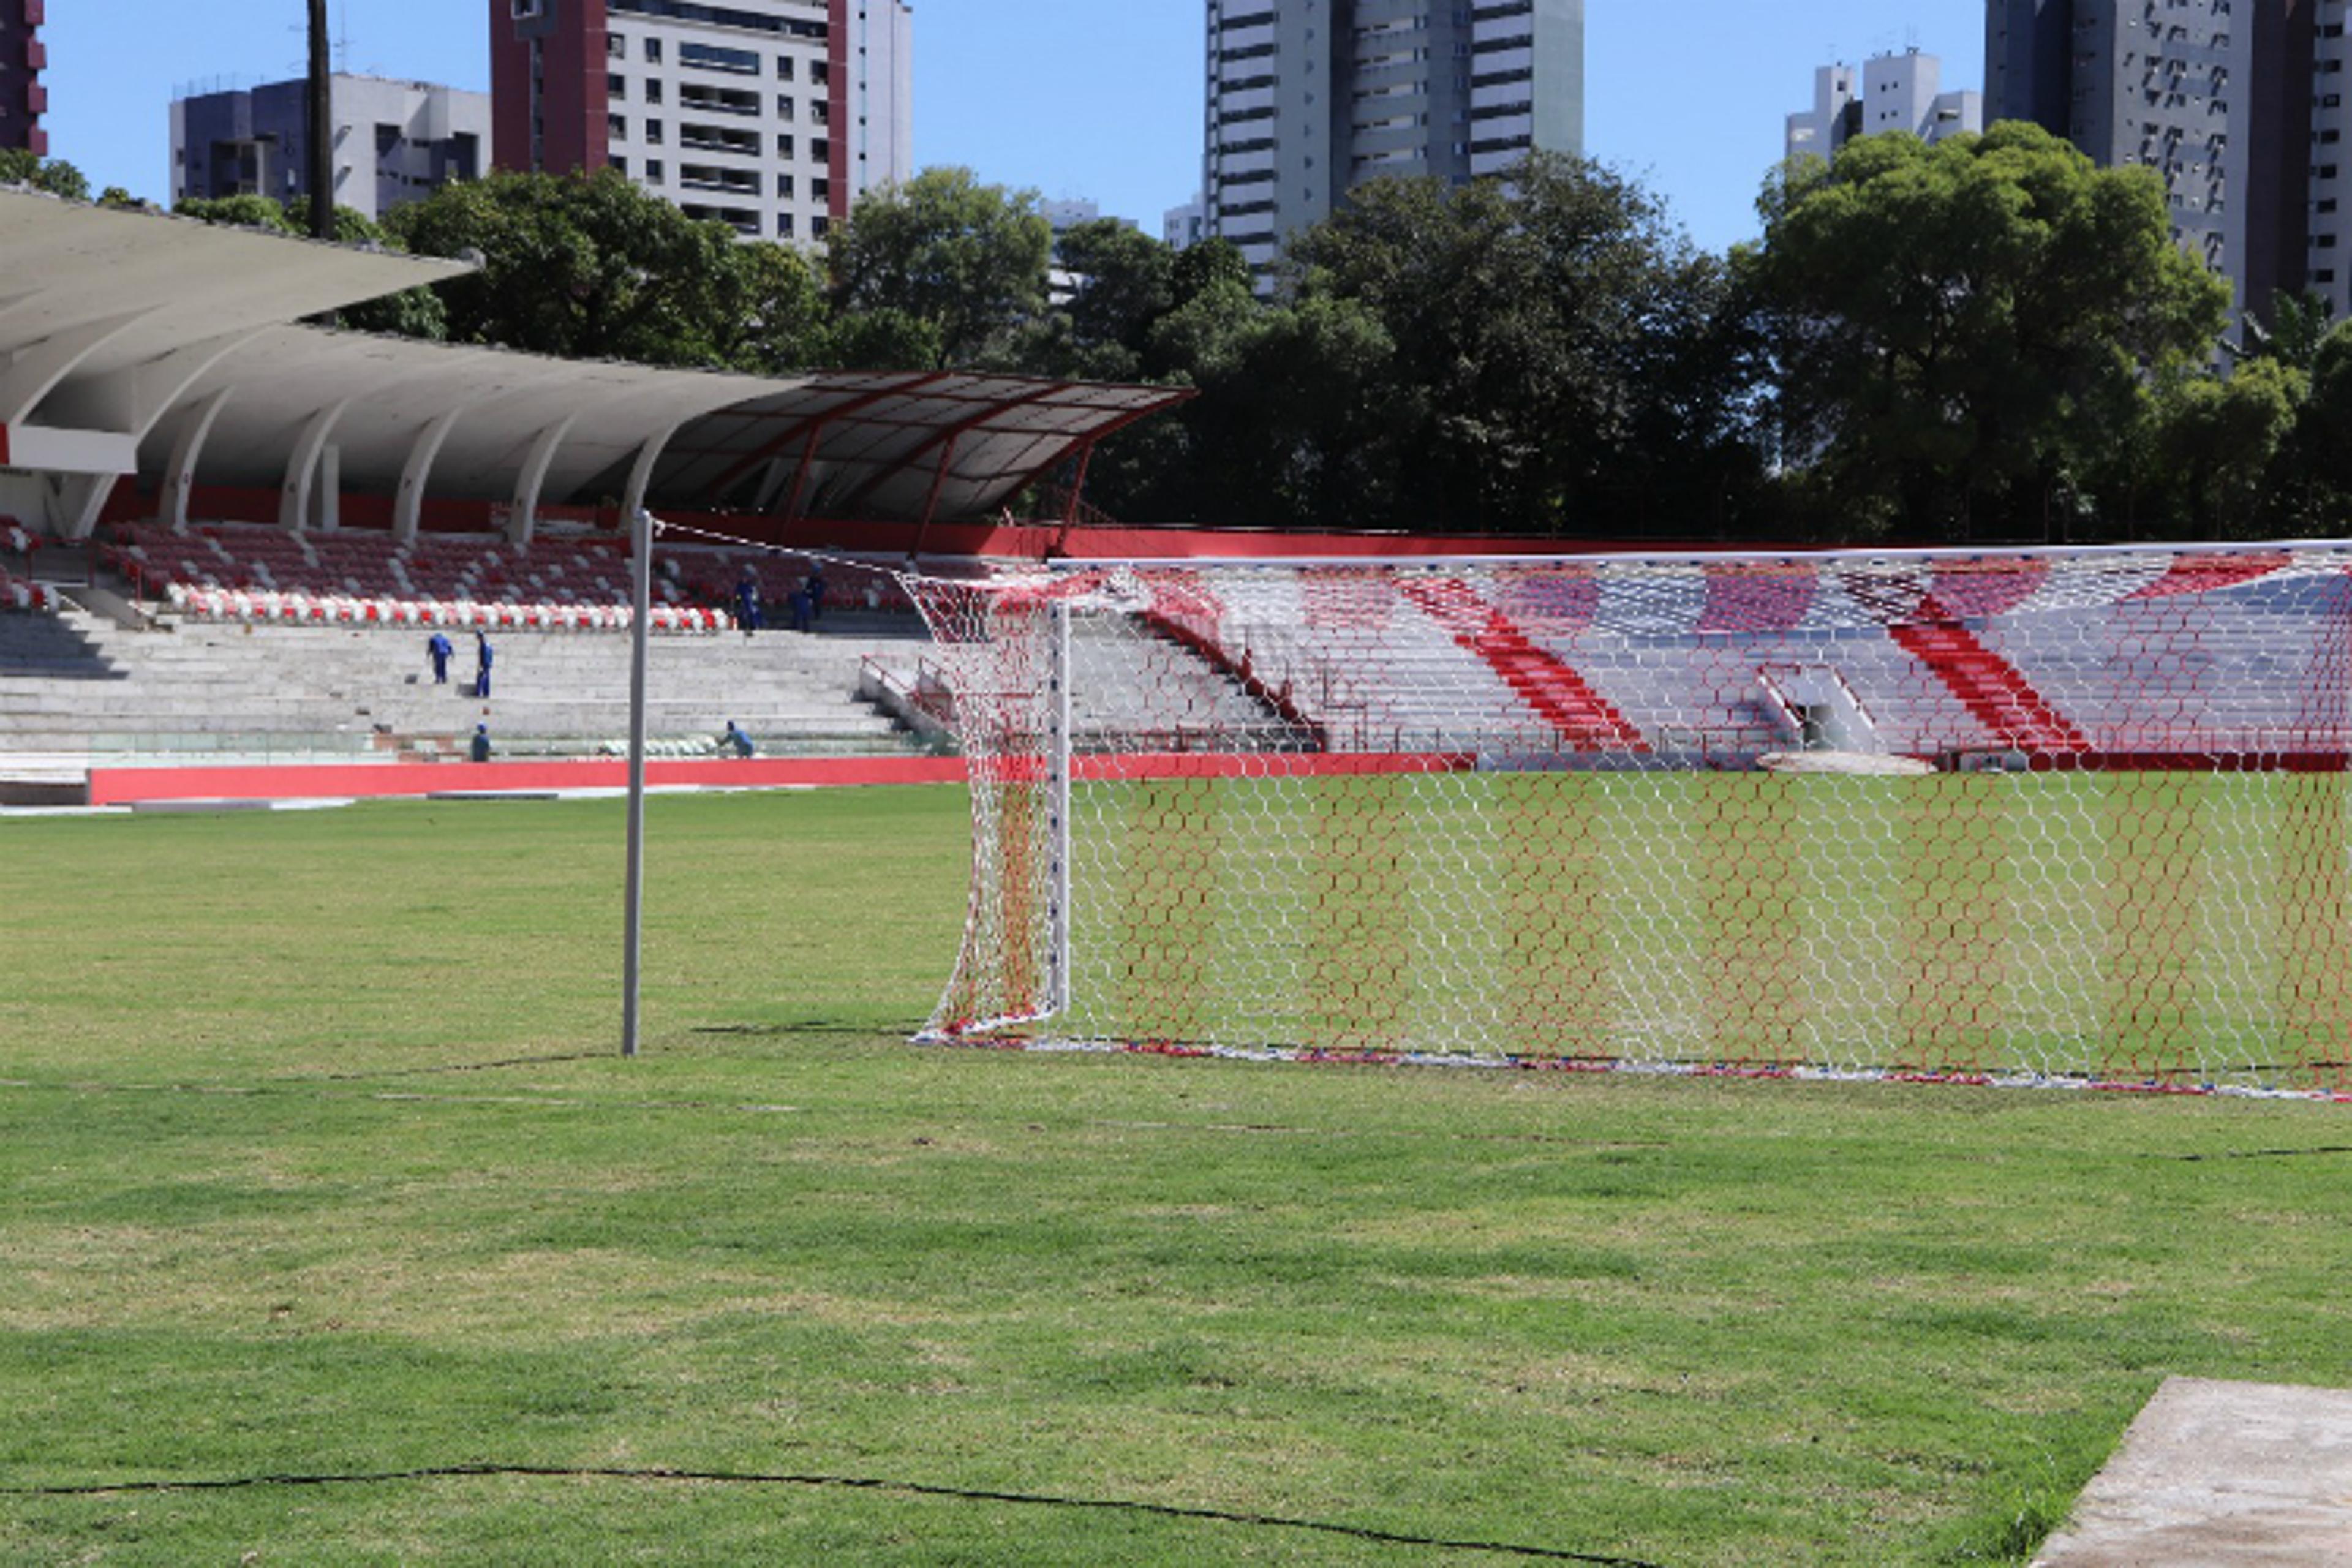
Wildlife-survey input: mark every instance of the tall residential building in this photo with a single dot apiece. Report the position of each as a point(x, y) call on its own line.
point(771, 116)
point(1895, 92)
point(2238, 104)
point(23, 98)
point(395, 142)
point(1308, 98)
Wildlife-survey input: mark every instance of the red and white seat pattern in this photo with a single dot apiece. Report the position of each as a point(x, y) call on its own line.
point(21, 593)
point(18, 594)
point(362, 579)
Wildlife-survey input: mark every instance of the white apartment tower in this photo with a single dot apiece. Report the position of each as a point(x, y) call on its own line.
point(1893, 92)
point(771, 116)
point(1308, 98)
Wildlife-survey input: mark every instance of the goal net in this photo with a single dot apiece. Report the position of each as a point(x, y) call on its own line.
point(2075, 815)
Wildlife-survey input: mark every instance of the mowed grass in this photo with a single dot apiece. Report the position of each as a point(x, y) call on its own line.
point(337, 1231)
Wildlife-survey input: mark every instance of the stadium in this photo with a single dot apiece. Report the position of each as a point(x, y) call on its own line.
point(1903, 995)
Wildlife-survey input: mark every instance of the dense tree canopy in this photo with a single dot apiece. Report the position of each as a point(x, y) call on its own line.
point(1961, 332)
point(591, 267)
point(1545, 333)
point(1989, 339)
point(968, 259)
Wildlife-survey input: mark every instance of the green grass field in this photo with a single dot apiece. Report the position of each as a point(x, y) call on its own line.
point(2127, 926)
point(336, 1231)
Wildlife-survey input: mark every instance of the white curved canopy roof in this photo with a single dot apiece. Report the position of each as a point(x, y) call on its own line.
point(133, 340)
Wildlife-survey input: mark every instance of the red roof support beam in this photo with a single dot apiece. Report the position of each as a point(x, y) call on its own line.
point(815, 423)
point(947, 437)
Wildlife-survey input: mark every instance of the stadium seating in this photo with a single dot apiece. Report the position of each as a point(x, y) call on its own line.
point(359, 578)
point(250, 572)
point(2166, 677)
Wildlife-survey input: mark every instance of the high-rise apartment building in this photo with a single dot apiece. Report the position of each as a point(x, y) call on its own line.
point(23, 56)
point(1308, 98)
point(771, 116)
point(2238, 104)
point(1893, 92)
point(395, 142)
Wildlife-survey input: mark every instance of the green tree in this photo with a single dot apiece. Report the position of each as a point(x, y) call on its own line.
point(1959, 332)
point(2293, 334)
point(248, 211)
point(589, 266)
point(2319, 460)
point(55, 176)
point(2218, 450)
point(1550, 335)
point(1289, 430)
point(968, 260)
point(1119, 283)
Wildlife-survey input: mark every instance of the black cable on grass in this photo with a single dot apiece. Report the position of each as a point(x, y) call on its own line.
point(2259, 1154)
point(497, 1064)
point(855, 1483)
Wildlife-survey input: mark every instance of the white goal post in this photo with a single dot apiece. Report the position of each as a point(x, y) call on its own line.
point(2070, 814)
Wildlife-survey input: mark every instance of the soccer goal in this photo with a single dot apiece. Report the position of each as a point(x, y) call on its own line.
point(2068, 815)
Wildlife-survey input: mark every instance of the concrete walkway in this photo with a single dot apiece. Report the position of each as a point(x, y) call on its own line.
point(2220, 1475)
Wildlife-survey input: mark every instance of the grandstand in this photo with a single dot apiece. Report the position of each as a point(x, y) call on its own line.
point(242, 526)
point(1948, 659)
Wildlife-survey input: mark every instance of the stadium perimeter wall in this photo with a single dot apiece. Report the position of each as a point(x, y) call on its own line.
point(333, 781)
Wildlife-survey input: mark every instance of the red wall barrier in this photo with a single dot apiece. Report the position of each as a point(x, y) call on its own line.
point(315, 780)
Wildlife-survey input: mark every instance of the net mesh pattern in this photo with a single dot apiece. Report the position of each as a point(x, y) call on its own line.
point(2065, 814)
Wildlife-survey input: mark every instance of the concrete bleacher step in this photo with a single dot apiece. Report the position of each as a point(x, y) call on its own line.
point(74, 681)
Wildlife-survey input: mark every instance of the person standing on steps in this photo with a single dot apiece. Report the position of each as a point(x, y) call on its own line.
point(481, 664)
point(747, 602)
point(437, 650)
point(814, 589)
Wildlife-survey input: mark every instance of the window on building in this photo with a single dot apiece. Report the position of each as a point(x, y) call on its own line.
point(616, 85)
point(783, 68)
point(784, 106)
point(783, 226)
point(718, 57)
point(620, 166)
point(820, 73)
point(616, 126)
point(653, 50)
point(617, 45)
point(653, 133)
point(653, 89)
point(655, 172)
point(783, 146)
point(820, 190)
point(817, 226)
point(784, 187)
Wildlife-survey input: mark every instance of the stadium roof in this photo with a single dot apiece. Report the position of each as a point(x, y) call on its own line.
point(135, 342)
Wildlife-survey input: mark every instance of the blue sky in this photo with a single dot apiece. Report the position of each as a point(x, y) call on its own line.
point(1094, 98)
